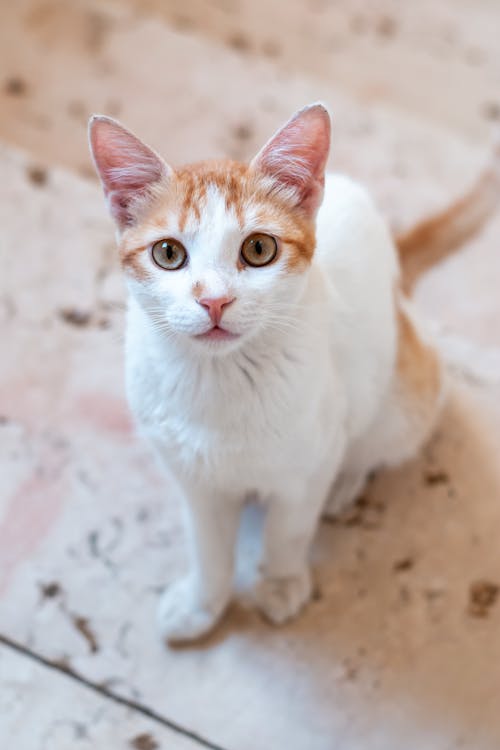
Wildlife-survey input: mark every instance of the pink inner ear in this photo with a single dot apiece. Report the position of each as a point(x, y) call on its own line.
point(296, 156)
point(126, 166)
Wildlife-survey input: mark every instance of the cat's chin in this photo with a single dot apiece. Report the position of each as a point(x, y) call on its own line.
point(217, 334)
point(218, 339)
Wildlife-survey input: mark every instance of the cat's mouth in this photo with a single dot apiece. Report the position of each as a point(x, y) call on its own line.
point(217, 334)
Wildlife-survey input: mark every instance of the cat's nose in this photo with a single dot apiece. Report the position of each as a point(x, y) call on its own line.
point(216, 306)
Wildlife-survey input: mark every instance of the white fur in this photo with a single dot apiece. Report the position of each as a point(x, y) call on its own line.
point(304, 400)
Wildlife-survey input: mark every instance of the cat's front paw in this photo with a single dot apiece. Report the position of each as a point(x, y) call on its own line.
point(182, 617)
point(281, 599)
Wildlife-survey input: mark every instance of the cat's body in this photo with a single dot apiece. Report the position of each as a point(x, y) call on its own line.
point(226, 418)
point(299, 401)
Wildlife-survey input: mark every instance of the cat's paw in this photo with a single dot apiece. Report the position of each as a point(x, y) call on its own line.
point(281, 599)
point(181, 617)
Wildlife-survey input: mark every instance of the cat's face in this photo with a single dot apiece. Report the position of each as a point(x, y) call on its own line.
point(214, 259)
point(216, 252)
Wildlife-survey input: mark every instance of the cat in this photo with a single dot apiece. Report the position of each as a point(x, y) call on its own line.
point(271, 345)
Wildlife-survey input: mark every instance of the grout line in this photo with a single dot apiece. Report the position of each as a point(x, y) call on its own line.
point(106, 693)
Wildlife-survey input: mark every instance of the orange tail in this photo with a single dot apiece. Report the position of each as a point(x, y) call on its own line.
point(433, 239)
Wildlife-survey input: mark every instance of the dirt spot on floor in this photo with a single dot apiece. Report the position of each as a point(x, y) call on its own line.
point(77, 110)
point(63, 663)
point(317, 593)
point(37, 175)
point(75, 316)
point(491, 110)
point(144, 742)
point(83, 626)
point(182, 23)
point(386, 26)
point(482, 596)
point(16, 86)
point(350, 670)
point(243, 132)
point(433, 477)
point(406, 563)
point(50, 590)
point(271, 48)
point(366, 512)
point(238, 41)
point(240, 139)
point(98, 26)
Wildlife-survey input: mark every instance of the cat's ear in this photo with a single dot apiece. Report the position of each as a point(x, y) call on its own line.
point(296, 156)
point(127, 167)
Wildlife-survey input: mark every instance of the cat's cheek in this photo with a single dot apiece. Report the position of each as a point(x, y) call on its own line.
point(169, 288)
point(133, 266)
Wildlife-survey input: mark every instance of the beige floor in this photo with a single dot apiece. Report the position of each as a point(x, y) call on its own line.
point(393, 653)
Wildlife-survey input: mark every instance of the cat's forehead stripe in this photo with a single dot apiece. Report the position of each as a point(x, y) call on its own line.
point(195, 181)
point(191, 201)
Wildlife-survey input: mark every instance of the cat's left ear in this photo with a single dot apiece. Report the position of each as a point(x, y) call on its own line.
point(296, 156)
point(127, 167)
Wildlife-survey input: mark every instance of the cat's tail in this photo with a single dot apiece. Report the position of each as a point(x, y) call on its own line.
point(440, 235)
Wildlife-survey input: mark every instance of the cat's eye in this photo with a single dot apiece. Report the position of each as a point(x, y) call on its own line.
point(169, 254)
point(259, 250)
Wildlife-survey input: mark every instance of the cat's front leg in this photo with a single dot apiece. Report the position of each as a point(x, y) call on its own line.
point(285, 585)
point(190, 607)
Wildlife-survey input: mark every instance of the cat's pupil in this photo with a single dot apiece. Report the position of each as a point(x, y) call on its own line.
point(169, 251)
point(258, 247)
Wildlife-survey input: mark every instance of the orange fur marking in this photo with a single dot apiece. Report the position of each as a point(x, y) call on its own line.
point(435, 238)
point(418, 364)
point(241, 187)
point(194, 180)
point(187, 203)
point(130, 260)
point(197, 290)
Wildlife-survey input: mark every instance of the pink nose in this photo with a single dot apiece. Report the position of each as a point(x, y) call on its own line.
point(216, 307)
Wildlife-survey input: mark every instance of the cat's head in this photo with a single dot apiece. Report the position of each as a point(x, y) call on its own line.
point(216, 252)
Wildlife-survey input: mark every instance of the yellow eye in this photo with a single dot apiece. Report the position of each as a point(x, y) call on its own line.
point(259, 250)
point(169, 254)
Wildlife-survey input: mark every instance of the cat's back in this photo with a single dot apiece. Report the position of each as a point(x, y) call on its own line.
point(356, 253)
point(353, 237)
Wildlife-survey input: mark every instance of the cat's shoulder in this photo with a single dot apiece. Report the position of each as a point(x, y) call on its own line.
point(343, 194)
point(349, 218)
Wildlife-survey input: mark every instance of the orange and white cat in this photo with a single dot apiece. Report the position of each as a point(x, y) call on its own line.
point(270, 347)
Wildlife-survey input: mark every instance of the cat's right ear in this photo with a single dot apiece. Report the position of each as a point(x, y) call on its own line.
point(295, 157)
point(126, 166)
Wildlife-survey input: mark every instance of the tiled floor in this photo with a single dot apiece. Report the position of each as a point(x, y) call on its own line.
point(392, 654)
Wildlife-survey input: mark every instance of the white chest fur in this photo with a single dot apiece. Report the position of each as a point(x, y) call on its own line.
point(244, 419)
